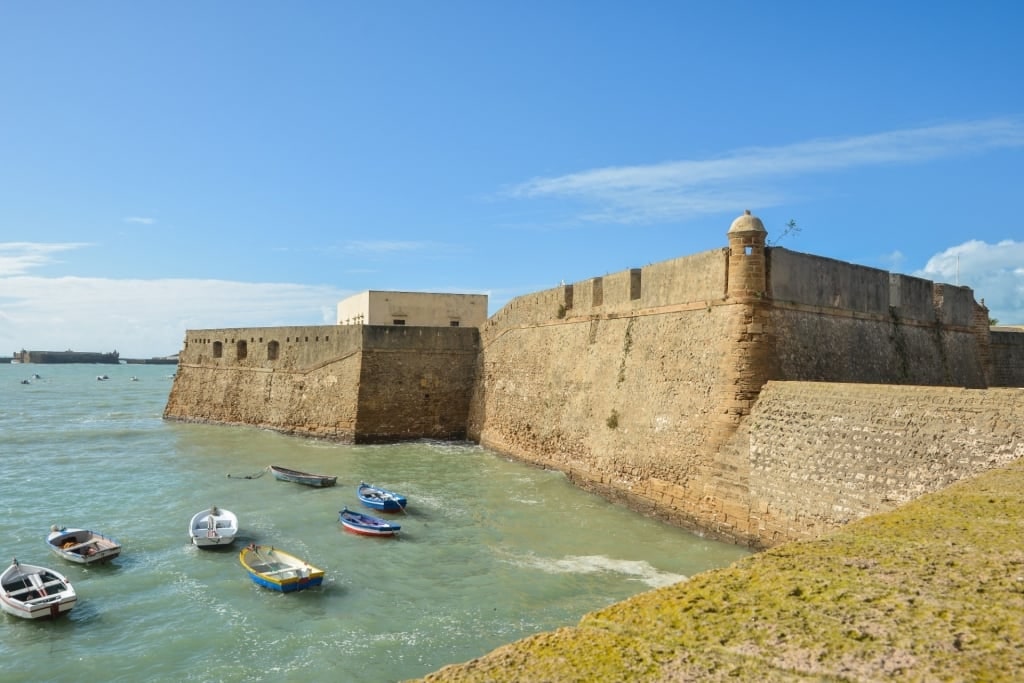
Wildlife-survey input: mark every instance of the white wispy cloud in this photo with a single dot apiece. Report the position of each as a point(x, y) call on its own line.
point(994, 271)
point(384, 246)
point(893, 260)
point(139, 219)
point(142, 318)
point(18, 258)
point(686, 188)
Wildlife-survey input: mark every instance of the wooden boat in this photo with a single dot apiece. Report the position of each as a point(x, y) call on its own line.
point(32, 592)
point(277, 570)
point(213, 527)
point(285, 474)
point(380, 499)
point(366, 525)
point(82, 546)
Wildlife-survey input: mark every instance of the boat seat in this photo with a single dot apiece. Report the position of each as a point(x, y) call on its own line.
point(280, 572)
point(42, 599)
point(73, 548)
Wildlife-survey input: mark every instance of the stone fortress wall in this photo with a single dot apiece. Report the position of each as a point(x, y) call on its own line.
point(352, 383)
point(754, 393)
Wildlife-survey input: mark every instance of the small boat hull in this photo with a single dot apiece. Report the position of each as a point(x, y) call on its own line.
point(32, 592)
point(277, 570)
point(380, 499)
point(305, 478)
point(366, 525)
point(213, 528)
point(82, 546)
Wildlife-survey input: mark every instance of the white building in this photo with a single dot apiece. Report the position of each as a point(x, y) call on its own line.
point(422, 309)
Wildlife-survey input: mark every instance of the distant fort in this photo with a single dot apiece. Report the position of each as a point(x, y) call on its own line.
point(750, 392)
point(23, 356)
point(69, 356)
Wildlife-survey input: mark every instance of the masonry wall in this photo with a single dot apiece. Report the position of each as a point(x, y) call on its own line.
point(623, 392)
point(1007, 351)
point(819, 455)
point(840, 322)
point(415, 382)
point(311, 388)
point(346, 383)
point(642, 398)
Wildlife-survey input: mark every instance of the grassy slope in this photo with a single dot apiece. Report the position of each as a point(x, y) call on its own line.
point(931, 592)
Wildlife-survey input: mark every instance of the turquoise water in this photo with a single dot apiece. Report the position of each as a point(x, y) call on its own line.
point(490, 551)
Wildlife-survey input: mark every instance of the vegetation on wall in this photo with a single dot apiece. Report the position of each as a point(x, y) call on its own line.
point(791, 229)
point(627, 344)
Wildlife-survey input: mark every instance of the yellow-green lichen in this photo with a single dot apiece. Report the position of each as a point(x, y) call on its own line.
point(931, 591)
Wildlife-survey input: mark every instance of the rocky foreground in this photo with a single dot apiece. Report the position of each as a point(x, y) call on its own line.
point(931, 592)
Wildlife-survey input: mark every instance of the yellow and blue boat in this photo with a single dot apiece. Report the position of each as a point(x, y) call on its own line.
point(277, 570)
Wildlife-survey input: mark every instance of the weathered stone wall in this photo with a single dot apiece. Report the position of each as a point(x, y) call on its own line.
point(816, 455)
point(310, 388)
point(1007, 350)
point(647, 404)
point(415, 382)
point(628, 388)
point(624, 405)
point(699, 277)
point(833, 345)
point(840, 322)
point(347, 383)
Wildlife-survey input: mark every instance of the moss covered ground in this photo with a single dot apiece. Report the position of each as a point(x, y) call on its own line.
point(933, 591)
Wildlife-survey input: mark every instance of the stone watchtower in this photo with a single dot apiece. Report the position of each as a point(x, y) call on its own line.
point(748, 360)
point(747, 272)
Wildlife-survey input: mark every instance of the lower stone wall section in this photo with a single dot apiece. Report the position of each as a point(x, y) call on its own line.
point(820, 455)
point(626, 406)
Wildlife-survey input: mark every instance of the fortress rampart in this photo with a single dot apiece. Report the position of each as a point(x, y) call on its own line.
point(754, 393)
point(352, 383)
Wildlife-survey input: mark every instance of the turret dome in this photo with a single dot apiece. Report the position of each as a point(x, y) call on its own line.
point(747, 223)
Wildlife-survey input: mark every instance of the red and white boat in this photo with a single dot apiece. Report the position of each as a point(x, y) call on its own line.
point(33, 592)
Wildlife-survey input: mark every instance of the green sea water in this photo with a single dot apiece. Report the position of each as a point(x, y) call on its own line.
point(490, 550)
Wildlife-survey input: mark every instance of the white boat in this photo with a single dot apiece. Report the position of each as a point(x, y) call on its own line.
point(82, 546)
point(32, 592)
point(213, 527)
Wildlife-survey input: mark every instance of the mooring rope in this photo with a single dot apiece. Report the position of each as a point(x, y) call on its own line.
point(255, 475)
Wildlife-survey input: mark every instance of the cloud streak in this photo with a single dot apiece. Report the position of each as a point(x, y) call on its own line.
point(384, 246)
point(686, 188)
point(18, 258)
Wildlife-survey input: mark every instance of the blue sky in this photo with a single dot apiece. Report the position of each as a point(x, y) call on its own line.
point(173, 166)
